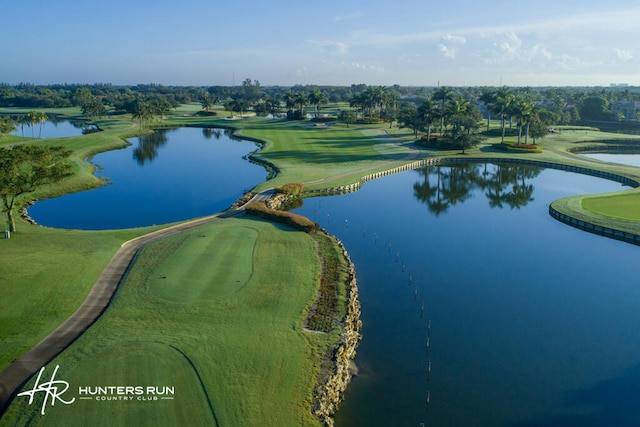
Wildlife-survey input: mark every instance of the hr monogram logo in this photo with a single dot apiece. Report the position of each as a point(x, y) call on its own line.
point(53, 389)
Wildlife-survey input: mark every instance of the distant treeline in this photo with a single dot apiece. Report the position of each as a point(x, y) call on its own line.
point(571, 103)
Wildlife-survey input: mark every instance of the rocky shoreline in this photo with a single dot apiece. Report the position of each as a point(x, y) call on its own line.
point(330, 392)
point(334, 381)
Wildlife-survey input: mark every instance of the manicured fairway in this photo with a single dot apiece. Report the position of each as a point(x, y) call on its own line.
point(206, 266)
point(622, 206)
point(236, 353)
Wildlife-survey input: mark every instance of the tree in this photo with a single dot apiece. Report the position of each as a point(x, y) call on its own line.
point(207, 102)
point(25, 168)
point(317, 98)
point(94, 108)
point(442, 94)
point(347, 116)
point(595, 108)
point(410, 117)
point(430, 111)
point(7, 125)
point(142, 113)
point(522, 110)
point(502, 105)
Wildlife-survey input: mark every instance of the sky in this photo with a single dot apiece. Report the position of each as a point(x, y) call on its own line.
point(328, 42)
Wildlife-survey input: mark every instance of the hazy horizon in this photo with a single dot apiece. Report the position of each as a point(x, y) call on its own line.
point(205, 43)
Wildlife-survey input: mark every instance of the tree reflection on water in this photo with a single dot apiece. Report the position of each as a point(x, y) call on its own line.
point(504, 185)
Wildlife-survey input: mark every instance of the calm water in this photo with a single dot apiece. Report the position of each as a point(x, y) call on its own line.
point(169, 176)
point(529, 322)
point(625, 159)
point(53, 128)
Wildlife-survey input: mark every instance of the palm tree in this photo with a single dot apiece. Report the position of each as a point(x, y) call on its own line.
point(32, 117)
point(442, 94)
point(41, 118)
point(317, 98)
point(502, 105)
point(523, 110)
point(429, 110)
point(207, 102)
point(301, 101)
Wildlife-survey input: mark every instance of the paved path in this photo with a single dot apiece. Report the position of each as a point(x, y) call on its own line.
point(13, 377)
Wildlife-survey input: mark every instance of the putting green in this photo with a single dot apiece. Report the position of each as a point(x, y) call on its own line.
point(206, 267)
point(622, 206)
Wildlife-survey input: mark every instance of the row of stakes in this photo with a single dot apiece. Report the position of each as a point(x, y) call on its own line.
point(415, 298)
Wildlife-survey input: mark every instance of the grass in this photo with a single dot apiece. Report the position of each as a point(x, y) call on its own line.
point(236, 354)
point(45, 274)
point(620, 206)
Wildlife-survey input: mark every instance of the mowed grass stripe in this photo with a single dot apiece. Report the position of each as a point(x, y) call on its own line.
point(209, 266)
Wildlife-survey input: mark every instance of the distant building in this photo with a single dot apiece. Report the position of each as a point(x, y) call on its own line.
point(627, 110)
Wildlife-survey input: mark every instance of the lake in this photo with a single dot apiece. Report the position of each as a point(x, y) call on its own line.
point(54, 128)
point(625, 159)
point(170, 175)
point(479, 309)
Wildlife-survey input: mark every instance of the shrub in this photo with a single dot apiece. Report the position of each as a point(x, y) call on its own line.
point(292, 188)
point(299, 222)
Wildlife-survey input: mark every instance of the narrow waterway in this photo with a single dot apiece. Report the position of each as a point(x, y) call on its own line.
point(480, 309)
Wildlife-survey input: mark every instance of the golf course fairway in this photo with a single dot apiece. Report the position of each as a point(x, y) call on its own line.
point(226, 338)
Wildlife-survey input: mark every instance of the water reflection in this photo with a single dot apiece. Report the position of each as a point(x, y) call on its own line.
point(442, 187)
point(148, 146)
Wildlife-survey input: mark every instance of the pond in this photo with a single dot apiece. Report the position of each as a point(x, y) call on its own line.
point(625, 159)
point(170, 175)
point(480, 309)
point(54, 128)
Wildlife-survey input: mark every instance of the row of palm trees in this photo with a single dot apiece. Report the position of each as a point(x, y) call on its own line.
point(32, 118)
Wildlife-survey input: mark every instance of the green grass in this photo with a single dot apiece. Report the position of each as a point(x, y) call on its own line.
point(622, 206)
point(245, 344)
point(45, 274)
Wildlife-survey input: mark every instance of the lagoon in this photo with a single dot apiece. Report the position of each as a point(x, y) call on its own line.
point(480, 309)
point(624, 159)
point(54, 128)
point(170, 175)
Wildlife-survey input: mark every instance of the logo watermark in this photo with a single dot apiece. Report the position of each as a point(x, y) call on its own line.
point(55, 388)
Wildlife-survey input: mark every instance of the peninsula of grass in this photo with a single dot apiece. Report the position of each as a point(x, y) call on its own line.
point(216, 312)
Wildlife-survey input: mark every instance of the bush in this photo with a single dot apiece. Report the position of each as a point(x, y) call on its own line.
point(299, 222)
point(292, 188)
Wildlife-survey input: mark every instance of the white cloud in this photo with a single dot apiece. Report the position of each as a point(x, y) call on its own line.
point(332, 47)
point(623, 54)
point(359, 66)
point(450, 44)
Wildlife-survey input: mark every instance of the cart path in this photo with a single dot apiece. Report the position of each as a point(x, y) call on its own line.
point(14, 376)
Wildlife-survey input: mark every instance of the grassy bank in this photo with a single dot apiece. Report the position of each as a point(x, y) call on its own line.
point(217, 312)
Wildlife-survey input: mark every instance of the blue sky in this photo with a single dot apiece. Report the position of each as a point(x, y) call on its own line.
point(328, 42)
